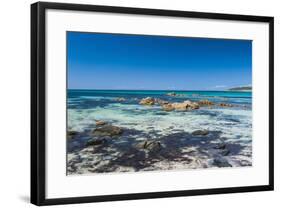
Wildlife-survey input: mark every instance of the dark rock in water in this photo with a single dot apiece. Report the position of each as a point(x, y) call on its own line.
point(220, 146)
point(107, 130)
point(150, 145)
point(94, 142)
point(200, 133)
point(221, 162)
point(161, 113)
point(100, 123)
point(71, 134)
point(225, 152)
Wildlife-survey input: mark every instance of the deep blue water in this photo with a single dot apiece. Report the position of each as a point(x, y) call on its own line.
point(226, 94)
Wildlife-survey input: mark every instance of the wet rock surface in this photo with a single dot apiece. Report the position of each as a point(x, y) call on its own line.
point(107, 130)
point(200, 133)
point(100, 123)
point(150, 145)
point(225, 105)
point(93, 142)
point(221, 162)
point(205, 102)
point(147, 101)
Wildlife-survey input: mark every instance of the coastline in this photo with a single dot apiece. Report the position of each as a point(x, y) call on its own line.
point(171, 143)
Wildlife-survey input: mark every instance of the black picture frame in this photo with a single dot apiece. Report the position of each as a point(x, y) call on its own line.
point(38, 106)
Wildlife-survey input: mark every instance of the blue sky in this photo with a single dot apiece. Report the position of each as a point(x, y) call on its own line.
point(120, 61)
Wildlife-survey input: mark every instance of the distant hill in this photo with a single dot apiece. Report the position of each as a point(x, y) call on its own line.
point(245, 88)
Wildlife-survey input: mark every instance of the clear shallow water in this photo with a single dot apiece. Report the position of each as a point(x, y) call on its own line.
point(84, 106)
point(233, 123)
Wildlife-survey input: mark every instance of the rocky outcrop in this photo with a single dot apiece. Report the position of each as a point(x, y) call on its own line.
point(200, 133)
point(147, 101)
point(107, 130)
point(192, 105)
point(186, 105)
point(205, 102)
point(160, 102)
point(225, 105)
point(180, 106)
point(100, 123)
point(168, 107)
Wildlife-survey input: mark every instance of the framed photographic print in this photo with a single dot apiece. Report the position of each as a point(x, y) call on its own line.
point(134, 103)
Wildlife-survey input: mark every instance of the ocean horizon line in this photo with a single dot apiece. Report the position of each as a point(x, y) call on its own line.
point(158, 90)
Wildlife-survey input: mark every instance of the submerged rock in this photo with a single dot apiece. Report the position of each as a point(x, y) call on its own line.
point(222, 149)
point(225, 152)
point(173, 94)
point(150, 145)
point(221, 162)
point(71, 134)
point(107, 130)
point(94, 142)
point(147, 101)
point(200, 132)
point(220, 146)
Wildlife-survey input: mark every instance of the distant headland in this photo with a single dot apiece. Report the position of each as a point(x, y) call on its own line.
point(243, 88)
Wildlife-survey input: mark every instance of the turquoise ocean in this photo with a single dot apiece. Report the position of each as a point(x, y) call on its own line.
point(231, 126)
